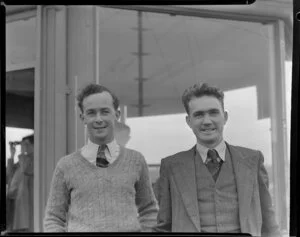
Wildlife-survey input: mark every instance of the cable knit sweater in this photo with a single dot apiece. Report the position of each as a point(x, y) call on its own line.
point(87, 198)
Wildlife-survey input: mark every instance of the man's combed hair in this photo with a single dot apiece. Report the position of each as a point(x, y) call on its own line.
point(199, 90)
point(91, 89)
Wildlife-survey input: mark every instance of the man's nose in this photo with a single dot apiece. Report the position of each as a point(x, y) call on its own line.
point(99, 117)
point(206, 119)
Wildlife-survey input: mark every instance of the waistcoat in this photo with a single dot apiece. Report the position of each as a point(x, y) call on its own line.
point(217, 200)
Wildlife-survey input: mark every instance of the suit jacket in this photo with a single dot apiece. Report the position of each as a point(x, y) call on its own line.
point(177, 197)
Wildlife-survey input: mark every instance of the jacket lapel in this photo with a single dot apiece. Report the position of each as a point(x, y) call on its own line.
point(244, 172)
point(184, 175)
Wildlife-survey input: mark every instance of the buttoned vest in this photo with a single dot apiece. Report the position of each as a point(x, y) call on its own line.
point(217, 201)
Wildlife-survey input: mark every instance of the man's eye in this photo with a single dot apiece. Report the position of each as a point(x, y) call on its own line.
point(215, 112)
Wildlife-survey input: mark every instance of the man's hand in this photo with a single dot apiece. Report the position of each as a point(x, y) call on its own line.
point(10, 161)
point(12, 150)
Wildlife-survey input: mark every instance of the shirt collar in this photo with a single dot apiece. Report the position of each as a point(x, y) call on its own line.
point(220, 148)
point(89, 151)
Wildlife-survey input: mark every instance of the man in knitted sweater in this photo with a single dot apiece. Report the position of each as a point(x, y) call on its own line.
point(214, 186)
point(103, 187)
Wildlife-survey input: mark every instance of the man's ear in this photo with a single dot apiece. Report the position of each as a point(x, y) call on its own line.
point(188, 121)
point(118, 114)
point(81, 116)
point(225, 116)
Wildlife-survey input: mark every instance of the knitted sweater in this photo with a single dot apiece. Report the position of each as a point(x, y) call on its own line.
point(87, 198)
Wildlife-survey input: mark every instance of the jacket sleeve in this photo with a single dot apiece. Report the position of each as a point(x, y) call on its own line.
point(14, 184)
point(164, 218)
point(269, 225)
point(57, 205)
point(145, 199)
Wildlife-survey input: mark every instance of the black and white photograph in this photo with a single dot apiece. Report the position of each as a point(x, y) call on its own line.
point(150, 118)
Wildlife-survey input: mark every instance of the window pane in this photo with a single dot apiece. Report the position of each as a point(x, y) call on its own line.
point(148, 59)
point(20, 62)
point(20, 42)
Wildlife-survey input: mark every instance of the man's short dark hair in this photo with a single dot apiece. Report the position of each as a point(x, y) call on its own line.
point(91, 89)
point(199, 90)
point(30, 138)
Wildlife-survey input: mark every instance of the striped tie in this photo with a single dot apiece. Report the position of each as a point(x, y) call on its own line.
point(101, 160)
point(212, 163)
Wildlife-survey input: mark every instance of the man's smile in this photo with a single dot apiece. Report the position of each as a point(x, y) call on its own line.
point(207, 130)
point(100, 127)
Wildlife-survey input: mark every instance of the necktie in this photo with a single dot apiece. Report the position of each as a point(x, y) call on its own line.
point(101, 160)
point(212, 163)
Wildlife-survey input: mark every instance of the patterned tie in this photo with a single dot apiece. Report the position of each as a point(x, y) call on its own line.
point(212, 163)
point(101, 160)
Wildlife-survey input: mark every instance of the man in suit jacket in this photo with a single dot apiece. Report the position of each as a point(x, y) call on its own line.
point(214, 186)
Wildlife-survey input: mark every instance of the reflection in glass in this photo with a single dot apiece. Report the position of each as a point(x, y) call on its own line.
point(21, 45)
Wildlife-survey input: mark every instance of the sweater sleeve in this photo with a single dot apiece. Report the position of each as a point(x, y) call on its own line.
point(57, 205)
point(145, 199)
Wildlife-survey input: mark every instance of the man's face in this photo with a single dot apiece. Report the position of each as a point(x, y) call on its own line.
point(207, 119)
point(26, 147)
point(99, 116)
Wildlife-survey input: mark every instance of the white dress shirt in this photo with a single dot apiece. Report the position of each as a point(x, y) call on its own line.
point(89, 151)
point(221, 149)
